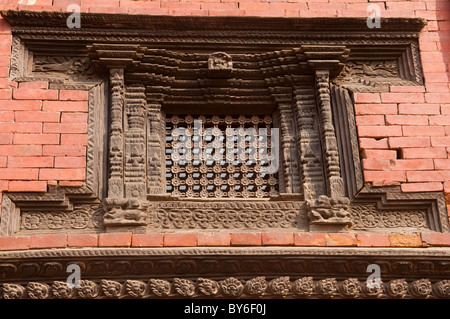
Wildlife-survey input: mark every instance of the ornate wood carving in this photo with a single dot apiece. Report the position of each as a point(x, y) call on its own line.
point(260, 67)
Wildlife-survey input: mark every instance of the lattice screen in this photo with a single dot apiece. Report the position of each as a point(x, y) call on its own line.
point(219, 157)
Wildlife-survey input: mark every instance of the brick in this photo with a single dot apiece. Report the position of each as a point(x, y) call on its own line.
point(405, 240)
point(36, 116)
point(373, 240)
point(82, 240)
point(380, 154)
point(180, 240)
point(26, 150)
point(435, 77)
point(406, 120)
point(422, 187)
point(7, 116)
point(114, 240)
point(30, 161)
point(68, 174)
point(65, 106)
point(19, 173)
point(334, 240)
point(383, 176)
point(318, 13)
point(35, 94)
point(426, 176)
point(147, 240)
point(48, 241)
point(39, 139)
point(440, 141)
point(366, 97)
point(15, 243)
point(442, 164)
point(402, 98)
point(437, 87)
point(309, 239)
point(379, 131)
point(435, 239)
point(218, 6)
point(70, 162)
point(27, 186)
point(370, 120)
point(214, 239)
point(407, 89)
point(73, 95)
point(33, 85)
point(278, 238)
point(404, 142)
point(376, 164)
point(418, 109)
point(425, 152)
point(440, 120)
point(64, 150)
point(412, 164)
point(372, 143)
point(68, 128)
point(74, 118)
point(139, 4)
point(402, 5)
point(20, 127)
point(17, 105)
point(74, 139)
point(246, 239)
point(423, 131)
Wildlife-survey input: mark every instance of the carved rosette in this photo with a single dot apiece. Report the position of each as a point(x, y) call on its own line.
point(159, 287)
point(62, 290)
point(208, 287)
point(397, 288)
point(13, 291)
point(280, 286)
point(37, 290)
point(303, 287)
point(442, 288)
point(135, 288)
point(327, 287)
point(231, 287)
point(421, 288)
point(184, 287)
point(111, 288)
point(350, 287)
point(88, 289)
point(256, 286)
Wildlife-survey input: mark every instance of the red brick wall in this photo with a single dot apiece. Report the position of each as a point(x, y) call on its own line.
point(404, 134)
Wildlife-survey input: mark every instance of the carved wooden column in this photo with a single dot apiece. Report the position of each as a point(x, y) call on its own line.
point(328, 213)
point(335, 184)
point(290, 168)
point(309, 147)
point(115, 180)
point(155, 147)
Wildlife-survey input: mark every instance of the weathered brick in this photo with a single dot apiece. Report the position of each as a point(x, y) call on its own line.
point(64, 150)
point(74, 139)
point(70, 162)
point(30, 161)
point(82, 240)
point(372, 143)
point(180, 240)
point(338, 239)
point(422, 187)
point(27, 186)
point(406, 120)
point(380, 154)
point(35, 94)
point(65, 106)
point(36, 116)
point(392, 176)
point(423, 130)
point(309, 239)
point(15, 243)
point(246, 239)
point(48, 241)
point(373, 240)
point(366, 97)
point(426, 176)
point(435, 239)
point(405, 240)
point(366, 109)
point(402, 97)
point(147, 240)
point(38, 139)
point(412, 164)
point(404, 142)
point(214, 239)
point(114, 240)
point(278, 238)
point(425, 152)
point(55, 174)
point(68, 128)
point(379, 131)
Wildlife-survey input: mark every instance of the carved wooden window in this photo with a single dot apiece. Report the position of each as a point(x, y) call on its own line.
point(232, 72)
point(205, 169)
